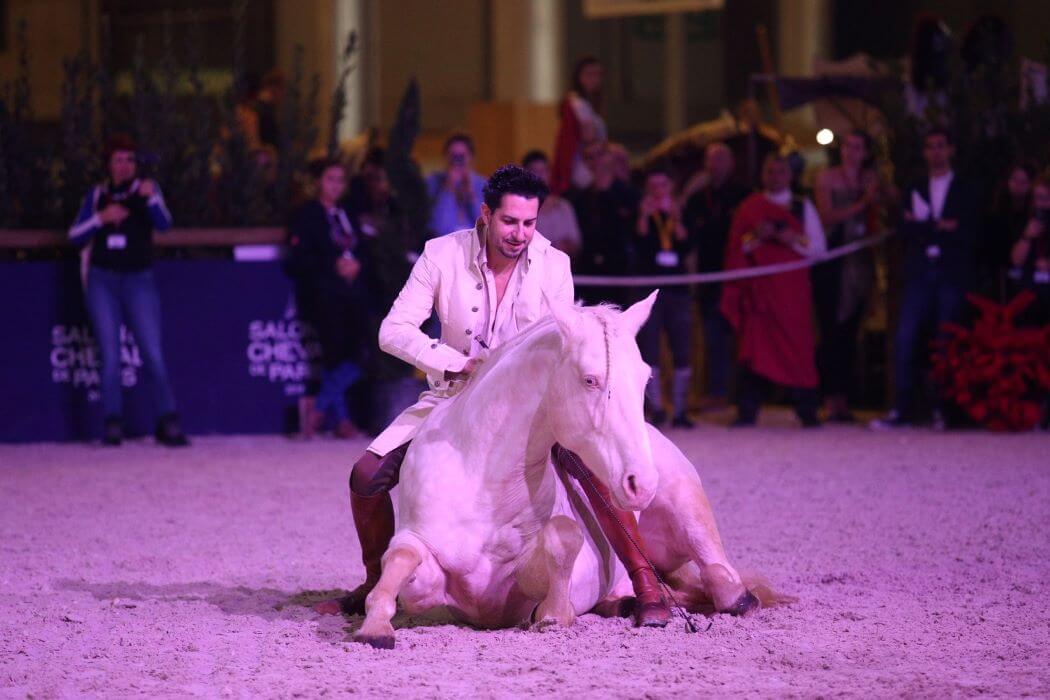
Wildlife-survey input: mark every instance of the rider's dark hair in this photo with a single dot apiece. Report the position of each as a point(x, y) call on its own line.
point(513, 179)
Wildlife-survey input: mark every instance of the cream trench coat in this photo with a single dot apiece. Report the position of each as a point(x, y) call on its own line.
point(448, 279)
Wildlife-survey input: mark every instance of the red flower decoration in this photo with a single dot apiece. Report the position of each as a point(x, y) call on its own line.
point(997, 373)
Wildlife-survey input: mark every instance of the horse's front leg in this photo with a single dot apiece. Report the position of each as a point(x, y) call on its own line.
point(547, 574)
point(399, 564)
point(679, 526)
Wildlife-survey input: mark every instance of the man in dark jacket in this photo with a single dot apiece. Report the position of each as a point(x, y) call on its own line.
point(940, 229)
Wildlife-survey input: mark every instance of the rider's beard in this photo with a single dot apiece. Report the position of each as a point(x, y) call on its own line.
point(508, 251)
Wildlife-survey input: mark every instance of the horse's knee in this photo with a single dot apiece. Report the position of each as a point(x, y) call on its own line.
point(402, 556)
point(562, 540)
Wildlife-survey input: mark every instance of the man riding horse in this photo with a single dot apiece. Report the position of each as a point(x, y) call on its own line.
point(486, 284)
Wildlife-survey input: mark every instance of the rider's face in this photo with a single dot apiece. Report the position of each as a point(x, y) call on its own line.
point(510, 227)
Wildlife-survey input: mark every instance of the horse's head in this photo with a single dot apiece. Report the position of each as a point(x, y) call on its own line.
point(597, 398)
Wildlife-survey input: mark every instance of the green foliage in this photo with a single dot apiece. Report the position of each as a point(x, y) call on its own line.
point(188, 139)
point(982, 108)
point(401, 231)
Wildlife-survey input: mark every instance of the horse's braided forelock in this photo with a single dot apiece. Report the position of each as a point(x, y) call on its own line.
point(608, 365)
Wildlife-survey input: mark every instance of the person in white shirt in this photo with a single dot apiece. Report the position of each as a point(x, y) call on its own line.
point(939, 228)
point(486, 284)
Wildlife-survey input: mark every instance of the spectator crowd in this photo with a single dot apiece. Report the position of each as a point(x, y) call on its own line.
point(352, 243)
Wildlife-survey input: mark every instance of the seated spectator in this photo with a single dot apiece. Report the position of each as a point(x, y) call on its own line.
point(324, 260)
point(940, 232)
point(605, 212)
point(773, 314)
point(708, 214)
point(557, 221)
point(662, 246)
point(116, 221)
point(455, 192)
point(848, 196)
point(1030, 256)
point(1005, 223)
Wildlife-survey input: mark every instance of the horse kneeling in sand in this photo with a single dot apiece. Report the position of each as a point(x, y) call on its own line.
point(488, 527)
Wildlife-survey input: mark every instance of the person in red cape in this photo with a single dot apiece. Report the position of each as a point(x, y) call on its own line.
point(772, 314)
point(580, 127)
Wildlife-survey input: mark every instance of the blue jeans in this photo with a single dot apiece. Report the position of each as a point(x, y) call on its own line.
point(930, 297)
point(130, 298)
point(331, 397)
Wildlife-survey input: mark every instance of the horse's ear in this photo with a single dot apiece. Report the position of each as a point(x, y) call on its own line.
point(565, 315)
point(633, 318)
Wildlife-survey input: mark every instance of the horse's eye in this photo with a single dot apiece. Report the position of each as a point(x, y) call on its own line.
point(591, 381)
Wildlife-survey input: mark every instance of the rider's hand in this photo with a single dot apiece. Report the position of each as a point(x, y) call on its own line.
point(468, 369)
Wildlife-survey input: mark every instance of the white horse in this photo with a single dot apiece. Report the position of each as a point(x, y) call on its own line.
point(489, 530)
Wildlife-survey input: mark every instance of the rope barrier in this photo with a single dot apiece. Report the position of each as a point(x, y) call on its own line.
point(729, 275)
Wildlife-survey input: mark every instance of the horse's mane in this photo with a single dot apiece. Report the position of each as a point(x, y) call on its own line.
point(536, 330)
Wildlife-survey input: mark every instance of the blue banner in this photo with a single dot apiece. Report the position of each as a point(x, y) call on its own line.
point(238, 356)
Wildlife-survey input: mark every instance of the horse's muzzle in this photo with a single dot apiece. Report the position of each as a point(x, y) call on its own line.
point(635, 492)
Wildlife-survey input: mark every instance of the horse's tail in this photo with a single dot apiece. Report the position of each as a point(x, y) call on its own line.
point(762, 589)
point(696, 597)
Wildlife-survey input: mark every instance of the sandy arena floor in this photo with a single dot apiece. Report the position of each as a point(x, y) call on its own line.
point(920, 561)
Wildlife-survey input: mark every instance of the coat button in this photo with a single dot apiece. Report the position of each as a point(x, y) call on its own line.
point(433, 346)
point(469, 331)
point(479, 285)
point(475, 309)
point(466, 353)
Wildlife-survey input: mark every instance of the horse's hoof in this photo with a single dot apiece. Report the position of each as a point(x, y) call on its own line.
point(543, 625)
point(745, 604)
point(652, 615)
point(381, 641)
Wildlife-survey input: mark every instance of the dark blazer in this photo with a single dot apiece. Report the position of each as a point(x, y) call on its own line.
point(957, 248)
point(311, 259)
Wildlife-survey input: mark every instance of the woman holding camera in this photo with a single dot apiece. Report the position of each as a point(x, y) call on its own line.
point(116, 222)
